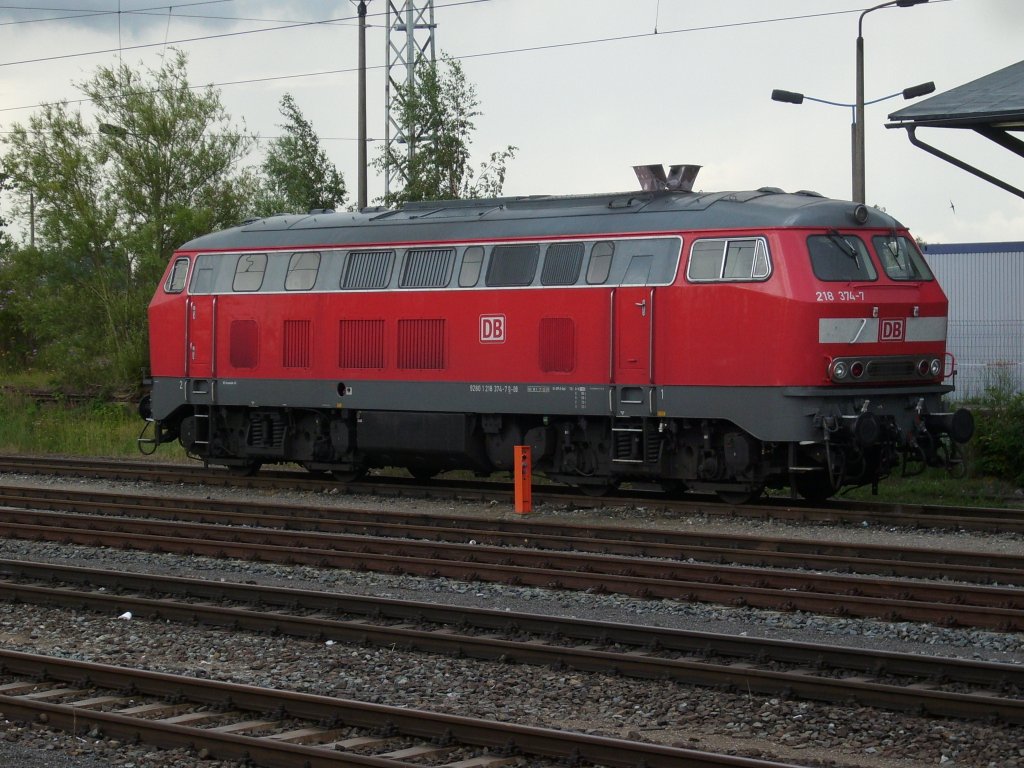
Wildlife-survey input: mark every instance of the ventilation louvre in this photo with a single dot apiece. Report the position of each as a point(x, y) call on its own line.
point(421, 344)
point(557, 344)
point(244, 344)
point(297, 335)
point(361, 344)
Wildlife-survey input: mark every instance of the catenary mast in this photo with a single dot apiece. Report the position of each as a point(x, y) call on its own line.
point(410, 39)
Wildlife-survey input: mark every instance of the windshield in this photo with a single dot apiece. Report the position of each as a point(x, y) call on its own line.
point(840, 258)
point(900, 258)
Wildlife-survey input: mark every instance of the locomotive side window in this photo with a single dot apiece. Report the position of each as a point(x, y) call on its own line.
point(512, 265)
point(840, 258)
point(729, 259)
point(367, 269)
point(427, 268)
point(202, 275)
point(302, 271)
point(600, 262)
point(562, 263)
point(638, 271)
point(900, 258)
point(472, 261)
point(176, 280)
point(249, 272)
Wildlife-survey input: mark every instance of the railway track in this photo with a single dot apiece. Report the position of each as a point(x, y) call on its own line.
point(272, 727)
point(947, 687)
point(651, 569)
point(983, 519)
point(545, 535)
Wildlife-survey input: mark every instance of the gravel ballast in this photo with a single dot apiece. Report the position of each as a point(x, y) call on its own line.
point(805, 733)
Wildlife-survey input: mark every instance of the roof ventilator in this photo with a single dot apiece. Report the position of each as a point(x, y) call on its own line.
point(680, 178)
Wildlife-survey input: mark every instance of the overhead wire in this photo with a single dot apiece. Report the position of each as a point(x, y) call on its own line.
point(467, 56)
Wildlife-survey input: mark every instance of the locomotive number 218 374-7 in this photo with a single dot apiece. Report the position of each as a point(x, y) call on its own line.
point(839, 295)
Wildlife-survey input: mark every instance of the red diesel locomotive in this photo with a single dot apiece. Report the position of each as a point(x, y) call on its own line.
point(723, 342)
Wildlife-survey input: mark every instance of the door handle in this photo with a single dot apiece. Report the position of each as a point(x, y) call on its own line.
point(643, 307)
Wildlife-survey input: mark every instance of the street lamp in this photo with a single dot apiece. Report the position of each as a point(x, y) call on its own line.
point(791, 97)
point(858, 124)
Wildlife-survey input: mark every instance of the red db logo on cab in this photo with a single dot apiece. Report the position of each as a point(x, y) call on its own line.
point(492, 329)
point(892, 330)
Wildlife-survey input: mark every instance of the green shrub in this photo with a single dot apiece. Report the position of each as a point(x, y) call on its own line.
point(96, 428)
point(998, 445)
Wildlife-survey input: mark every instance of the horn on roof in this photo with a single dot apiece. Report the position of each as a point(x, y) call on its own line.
point(680, 178)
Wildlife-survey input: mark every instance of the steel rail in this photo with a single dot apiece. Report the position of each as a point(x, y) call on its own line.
point(920, 562)
point(838, 510)
point(228, 741)
point(893, 599)
point(824, 673)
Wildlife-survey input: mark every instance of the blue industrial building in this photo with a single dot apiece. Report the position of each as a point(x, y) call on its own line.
point(985, 285)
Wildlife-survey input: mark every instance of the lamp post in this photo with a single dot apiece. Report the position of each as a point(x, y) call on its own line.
point(858, 123)
point(856, 137)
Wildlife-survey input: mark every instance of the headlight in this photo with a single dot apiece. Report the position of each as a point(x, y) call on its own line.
point(936, 367)
point(839, 370)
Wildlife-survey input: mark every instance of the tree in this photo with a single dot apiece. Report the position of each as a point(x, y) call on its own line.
point(436, 118)
point(298, 174)
point(112, 201)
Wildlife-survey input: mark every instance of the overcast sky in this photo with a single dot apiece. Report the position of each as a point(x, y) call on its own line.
point(585, 88)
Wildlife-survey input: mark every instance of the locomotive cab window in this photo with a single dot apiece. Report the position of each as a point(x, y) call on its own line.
point(840, 258)
point(729, 260)
point(202, 275)
point(176, 280)
point(302, 271)
point(249, 272)
point(472, 262)
point(900, 258)
point(600, 262)
point(638, 271)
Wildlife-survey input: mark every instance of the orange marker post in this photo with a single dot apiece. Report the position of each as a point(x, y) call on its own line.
point(524, 480)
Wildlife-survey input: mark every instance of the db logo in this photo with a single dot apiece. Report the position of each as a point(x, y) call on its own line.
point(492, 329)
point(893, 330)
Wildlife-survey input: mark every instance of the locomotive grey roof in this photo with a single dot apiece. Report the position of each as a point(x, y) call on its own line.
point(545, 216)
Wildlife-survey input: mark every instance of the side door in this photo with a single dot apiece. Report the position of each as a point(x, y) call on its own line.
point(201, 325)
point(633, 353)
point(633, 314)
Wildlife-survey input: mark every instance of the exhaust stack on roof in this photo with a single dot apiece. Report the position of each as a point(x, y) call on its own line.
point(680, 178)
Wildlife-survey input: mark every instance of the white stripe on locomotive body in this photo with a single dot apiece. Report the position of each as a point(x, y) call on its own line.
point(864, 330)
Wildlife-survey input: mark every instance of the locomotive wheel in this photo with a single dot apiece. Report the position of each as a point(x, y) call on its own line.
point(816, 487)
point(422, 473)
point(740, 496)
point(596, 490)
point(674, 488)
point(353, 475)
point(247, 469)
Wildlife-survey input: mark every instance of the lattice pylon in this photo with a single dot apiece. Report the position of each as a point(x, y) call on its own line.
point(410, 39)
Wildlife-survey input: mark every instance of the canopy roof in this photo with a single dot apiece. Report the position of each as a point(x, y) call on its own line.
point(992, 106)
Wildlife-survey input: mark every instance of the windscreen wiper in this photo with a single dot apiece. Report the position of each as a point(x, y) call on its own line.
point(844, 245)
